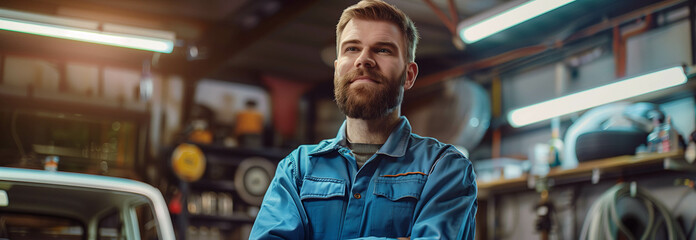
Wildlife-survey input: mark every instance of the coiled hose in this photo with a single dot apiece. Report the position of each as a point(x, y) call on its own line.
point(603, 222)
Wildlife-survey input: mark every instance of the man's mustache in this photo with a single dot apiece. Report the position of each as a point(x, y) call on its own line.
point(362, 72)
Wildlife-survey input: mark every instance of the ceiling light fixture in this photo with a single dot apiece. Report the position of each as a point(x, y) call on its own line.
point(505, 17)
point(612, 92)
point(87, 31)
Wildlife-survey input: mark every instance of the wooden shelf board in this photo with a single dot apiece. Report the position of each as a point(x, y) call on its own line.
point(584, 169)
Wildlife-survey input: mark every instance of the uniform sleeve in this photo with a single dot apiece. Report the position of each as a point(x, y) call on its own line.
point(282, 215)
point(447, 207)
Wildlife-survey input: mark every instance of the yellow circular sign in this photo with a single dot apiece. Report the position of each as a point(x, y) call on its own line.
point(188, 162)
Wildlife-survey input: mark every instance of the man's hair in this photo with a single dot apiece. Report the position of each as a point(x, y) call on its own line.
point(380, 11)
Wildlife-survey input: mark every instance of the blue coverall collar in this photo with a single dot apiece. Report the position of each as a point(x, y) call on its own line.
point(395, 146)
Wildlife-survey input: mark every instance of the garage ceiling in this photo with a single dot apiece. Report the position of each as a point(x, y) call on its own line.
point(236, 39)
point(240, 40)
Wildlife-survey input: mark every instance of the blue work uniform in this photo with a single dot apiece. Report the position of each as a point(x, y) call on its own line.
point(412, 187)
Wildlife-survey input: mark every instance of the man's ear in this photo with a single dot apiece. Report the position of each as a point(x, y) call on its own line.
point(411, 74)
point(335, 70)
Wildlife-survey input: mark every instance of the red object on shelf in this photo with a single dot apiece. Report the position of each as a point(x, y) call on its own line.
point(175, 204)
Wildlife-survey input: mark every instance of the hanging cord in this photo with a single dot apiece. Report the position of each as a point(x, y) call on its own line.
point(15, 136)
point(651, 219)
point(603, 222)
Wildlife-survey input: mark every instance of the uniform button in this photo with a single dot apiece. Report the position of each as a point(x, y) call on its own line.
point(357, 196)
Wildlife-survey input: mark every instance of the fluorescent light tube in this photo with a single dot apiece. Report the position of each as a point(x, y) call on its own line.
point(508, 19)
point(597, 96)
point(86, 35)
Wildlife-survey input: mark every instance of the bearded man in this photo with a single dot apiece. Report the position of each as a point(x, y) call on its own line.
point(376, 179)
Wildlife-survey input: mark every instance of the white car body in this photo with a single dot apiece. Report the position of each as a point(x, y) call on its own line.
point(86, 199)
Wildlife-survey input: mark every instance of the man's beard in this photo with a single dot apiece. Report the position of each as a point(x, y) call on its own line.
point(368, 101)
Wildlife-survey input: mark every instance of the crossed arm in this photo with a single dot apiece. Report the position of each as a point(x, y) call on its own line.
point(446, 210)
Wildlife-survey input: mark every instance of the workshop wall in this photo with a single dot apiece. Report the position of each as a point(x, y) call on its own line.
point(662, 47)
point(666, 46)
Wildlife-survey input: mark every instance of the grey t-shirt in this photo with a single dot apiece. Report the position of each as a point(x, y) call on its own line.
point(363, 151)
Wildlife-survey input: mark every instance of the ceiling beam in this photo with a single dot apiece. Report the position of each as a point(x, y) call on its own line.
point(229, 39)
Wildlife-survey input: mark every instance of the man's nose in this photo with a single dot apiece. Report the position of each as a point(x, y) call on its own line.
point(365, 60)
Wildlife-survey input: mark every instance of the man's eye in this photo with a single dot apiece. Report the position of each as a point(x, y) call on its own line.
point(383, 50)
point(350, 49)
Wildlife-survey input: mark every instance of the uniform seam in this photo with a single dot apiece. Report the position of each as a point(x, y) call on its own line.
point(321, 195)
point(435, 164)
point(320, 179)
point(295, 170)
point(447, 151)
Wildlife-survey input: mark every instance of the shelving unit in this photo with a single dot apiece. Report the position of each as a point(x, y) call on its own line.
point(221, 165)
point(75, 129)
point(584, 171)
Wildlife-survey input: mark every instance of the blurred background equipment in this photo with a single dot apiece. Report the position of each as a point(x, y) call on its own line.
point(199, 128)
point(227, 194)
point(690, 152)
point(188, 162)
point(252, 178)
point(457, 112)
point(611, 130)
point(545, 215)
point(500, 168)
point(249, 126)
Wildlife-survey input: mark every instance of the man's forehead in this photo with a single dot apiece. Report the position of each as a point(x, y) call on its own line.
point(373, 42)
point(379, 32)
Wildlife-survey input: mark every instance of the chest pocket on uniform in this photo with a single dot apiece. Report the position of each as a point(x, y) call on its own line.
point(394, 204)
point(323, 202)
